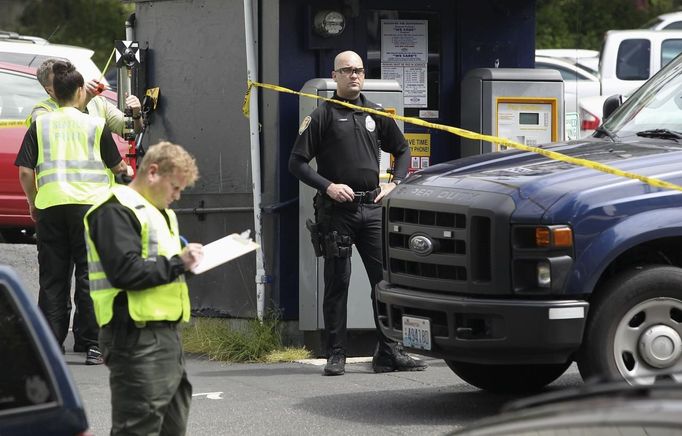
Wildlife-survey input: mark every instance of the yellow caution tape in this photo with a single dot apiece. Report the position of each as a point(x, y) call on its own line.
point(11, 123)
point(471, 135)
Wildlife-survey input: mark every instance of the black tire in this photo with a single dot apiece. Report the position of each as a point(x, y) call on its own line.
point(508, 379)
point(634, 328)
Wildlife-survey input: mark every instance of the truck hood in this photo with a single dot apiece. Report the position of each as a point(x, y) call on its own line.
point(537, 182)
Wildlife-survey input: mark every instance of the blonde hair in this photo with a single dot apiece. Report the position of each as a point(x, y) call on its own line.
point(170, 157)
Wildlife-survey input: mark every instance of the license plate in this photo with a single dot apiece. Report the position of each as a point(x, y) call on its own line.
point(417, 332)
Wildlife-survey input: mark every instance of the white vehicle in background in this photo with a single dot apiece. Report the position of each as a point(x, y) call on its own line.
point(628, 59)
point(669, 21)
point(32, 53)
point(579, 83)
point(587, 59)
point(15, 37)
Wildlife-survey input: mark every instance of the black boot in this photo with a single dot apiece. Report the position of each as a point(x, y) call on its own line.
point(336, 363)
point(392, 357)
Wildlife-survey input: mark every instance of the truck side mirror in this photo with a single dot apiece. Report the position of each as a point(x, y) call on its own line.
point(611, 104)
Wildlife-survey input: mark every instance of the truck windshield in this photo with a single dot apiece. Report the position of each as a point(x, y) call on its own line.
point(656, 105)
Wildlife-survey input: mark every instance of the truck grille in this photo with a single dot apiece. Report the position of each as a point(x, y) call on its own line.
point(421, 269)
point(467, 249)
point(427, 217)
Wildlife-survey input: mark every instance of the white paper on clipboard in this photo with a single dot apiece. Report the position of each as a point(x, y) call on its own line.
point(224, 250)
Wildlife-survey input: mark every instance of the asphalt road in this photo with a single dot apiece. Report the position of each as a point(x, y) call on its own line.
point(294, 398)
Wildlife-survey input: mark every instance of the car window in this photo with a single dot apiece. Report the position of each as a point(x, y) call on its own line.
point(655, 105)
point(565, 73)
point(18, 94)
point(670, 48)
point(24, 381)
point(675, 25)
point(653, 24)
point(633, 59)
point(26, 59)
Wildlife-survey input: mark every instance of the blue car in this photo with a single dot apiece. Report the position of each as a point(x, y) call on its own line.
point(37, 394)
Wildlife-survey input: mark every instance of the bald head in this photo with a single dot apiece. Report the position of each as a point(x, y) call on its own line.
point(345, 57)
point(349, 75)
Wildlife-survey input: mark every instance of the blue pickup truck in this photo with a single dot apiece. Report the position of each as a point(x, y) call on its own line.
point(37, 392)
point(510, 266)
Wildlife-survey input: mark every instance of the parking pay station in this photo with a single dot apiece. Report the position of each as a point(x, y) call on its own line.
point(388, 94)
point(520, 104)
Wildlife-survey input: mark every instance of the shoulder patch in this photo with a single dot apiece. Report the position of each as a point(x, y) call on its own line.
point(304, 125)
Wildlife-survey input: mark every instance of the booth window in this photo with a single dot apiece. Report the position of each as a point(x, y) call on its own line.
point(374, 61)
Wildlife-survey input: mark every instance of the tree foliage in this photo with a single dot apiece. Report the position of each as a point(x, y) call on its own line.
point(560, 23)
point(94, 24)
point(582, 23)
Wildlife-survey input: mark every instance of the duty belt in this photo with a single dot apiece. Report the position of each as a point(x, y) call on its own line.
point(156, 324)
point(366, 197)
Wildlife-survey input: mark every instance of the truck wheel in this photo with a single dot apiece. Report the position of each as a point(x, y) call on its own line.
point(508, 378)
point(634, 330)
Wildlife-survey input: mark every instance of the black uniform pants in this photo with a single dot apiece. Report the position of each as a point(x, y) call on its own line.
point(61, 246)
point(362, 222)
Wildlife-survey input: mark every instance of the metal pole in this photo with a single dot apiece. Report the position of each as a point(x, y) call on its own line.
point(252, 74)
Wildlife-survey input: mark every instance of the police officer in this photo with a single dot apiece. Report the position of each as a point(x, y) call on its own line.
point(138, 287)
point(65, 165)
point(346, 144)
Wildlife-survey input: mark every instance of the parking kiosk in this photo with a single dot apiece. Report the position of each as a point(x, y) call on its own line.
point(388, 94)
point(521, 104)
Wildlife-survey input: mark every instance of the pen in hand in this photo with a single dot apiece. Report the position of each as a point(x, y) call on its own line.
point(192, 253)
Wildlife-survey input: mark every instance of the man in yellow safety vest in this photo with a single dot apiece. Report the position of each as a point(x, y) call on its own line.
point(137, 283)
point(94, 103)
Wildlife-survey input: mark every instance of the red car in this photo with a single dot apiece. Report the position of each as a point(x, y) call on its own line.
point(19, 92)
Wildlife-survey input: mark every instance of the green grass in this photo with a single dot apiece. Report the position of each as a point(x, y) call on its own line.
point(252, 341)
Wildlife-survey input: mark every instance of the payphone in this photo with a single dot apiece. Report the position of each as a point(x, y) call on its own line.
point(520, 104)
point(388, 94)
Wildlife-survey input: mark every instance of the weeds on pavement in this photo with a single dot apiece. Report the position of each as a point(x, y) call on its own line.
point(252, 341)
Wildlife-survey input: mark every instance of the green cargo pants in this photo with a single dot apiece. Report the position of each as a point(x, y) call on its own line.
point(150, 393)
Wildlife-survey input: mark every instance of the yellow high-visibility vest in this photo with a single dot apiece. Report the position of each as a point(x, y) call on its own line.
point(47, 105)
point(168, 302)
point(69, 168)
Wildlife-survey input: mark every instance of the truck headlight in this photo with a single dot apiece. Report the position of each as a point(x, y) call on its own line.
point(542, 257)
point(544, 273)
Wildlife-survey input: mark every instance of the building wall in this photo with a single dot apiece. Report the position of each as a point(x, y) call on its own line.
point(197, 58)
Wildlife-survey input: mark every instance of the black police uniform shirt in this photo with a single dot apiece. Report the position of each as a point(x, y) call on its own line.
point(346, 143)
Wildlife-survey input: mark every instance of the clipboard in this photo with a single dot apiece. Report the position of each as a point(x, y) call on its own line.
point(224, 250)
